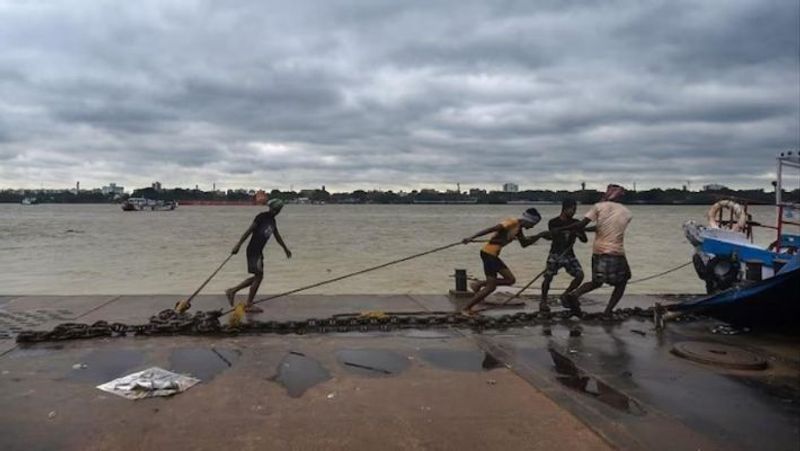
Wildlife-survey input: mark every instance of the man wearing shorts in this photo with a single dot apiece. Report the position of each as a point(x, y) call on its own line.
point(260, 231)
point(561, 253)
point(609, 264)
point(504, 233)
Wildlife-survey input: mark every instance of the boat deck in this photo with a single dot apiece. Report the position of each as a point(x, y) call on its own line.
point(611, 386)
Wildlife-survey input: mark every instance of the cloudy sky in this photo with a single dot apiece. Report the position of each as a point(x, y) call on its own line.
point(397, 94)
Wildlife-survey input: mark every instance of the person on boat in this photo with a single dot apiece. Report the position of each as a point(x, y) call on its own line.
point(504, 233)
point(260, 231)
point(561, 252)
point(609, 264)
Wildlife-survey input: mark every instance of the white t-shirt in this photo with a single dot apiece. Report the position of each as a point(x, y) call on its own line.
point(612, 219)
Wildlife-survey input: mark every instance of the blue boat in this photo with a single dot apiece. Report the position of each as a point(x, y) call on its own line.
point(748, 284)
point(770, 302)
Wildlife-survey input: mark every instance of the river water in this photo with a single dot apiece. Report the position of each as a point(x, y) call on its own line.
point(99, 249)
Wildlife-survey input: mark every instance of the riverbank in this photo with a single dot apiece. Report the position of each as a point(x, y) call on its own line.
point(406, 389)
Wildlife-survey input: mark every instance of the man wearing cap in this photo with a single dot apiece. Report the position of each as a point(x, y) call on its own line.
point(260, 231)
point(504, 233)
point(609, 264)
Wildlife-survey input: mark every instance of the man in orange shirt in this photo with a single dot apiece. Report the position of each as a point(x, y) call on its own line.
point(609, 264)
point(504, 233)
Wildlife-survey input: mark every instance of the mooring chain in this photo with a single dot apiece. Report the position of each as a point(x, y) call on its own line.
point(169, 322)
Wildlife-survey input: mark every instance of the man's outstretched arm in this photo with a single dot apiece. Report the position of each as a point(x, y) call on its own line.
point(483, 232)
point(244, 237)
point(526, 241)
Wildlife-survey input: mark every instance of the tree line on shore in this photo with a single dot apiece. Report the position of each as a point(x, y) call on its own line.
point(656, 196)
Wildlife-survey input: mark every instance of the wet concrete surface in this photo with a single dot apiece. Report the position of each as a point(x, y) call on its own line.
point(612, 385)
point(459, 360)
point(298, 372)
point(202, 363)
point(571, 376)
point(103, 365)
point(373, 362)
point(639, 375)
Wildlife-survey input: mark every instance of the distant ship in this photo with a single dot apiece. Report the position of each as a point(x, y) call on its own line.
point(441, 202)
point(142, 204)
point(30, 201)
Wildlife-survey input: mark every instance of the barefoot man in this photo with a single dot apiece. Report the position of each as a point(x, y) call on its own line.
point(504, 233)
point(561, 253)
point(609, 264)
point(262, 228)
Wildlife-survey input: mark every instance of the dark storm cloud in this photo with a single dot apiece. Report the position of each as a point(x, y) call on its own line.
point(397, 94)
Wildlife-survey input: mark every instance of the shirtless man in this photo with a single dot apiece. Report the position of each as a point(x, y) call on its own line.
point(504, 233)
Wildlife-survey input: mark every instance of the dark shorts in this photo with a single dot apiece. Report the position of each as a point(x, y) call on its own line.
point(567, 261)
point(492, 264)
point(255, 263)
point(610, 269)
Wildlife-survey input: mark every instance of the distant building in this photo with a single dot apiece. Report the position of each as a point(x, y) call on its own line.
point(112, 188)
point(510, 188)
point(156, 186)
point(475, 192)
point(714, 187)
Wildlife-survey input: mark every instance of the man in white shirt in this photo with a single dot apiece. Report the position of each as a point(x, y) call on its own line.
point(609, 264)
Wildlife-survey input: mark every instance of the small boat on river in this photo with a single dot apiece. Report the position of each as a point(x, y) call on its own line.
point(143, 204)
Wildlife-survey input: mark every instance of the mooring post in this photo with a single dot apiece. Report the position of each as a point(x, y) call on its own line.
point(460, 290)
point(461, 280)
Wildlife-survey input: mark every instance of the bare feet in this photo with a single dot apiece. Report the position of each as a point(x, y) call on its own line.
point(230, 294)
point(543, 307)
point(250, 308)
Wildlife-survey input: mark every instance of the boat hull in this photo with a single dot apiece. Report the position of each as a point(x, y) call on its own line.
point(770, 302)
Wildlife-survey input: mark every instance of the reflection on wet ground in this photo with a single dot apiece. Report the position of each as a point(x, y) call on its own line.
point(298, 373)
point(572, 377)
point(202, 363)
point(614, 363)
point(459, 360)
point(103, 365)
point(372, 362)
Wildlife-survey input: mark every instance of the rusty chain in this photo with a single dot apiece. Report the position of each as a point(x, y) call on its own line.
point(169, 322)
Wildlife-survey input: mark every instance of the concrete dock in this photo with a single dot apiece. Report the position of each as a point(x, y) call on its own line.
point(608, 386)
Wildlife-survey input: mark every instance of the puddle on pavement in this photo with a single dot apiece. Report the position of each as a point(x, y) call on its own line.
point(570, 376)
point(202, 363)
point(103, 365)
point(35, 350)
point(372, 362)
point(457, 360)
point(298, 373)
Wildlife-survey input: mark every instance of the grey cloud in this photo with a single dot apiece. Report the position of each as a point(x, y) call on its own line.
point(397, 94)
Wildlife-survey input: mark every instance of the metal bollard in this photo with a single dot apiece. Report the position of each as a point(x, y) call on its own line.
point(461, 280)
point(753, 270)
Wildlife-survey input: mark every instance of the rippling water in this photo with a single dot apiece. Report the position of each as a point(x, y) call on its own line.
point(99, 249)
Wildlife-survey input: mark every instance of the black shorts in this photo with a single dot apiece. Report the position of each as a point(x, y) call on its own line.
point(492, 264)
point(255, 263)
point(610, 269)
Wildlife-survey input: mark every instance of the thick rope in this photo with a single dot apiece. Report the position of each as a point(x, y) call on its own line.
point(352, 274)
point(655, 276)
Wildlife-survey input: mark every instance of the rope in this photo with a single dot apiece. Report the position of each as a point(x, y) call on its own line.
point(518, 293)
point(352, 274)
point(664, 273)
point(644, 279)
